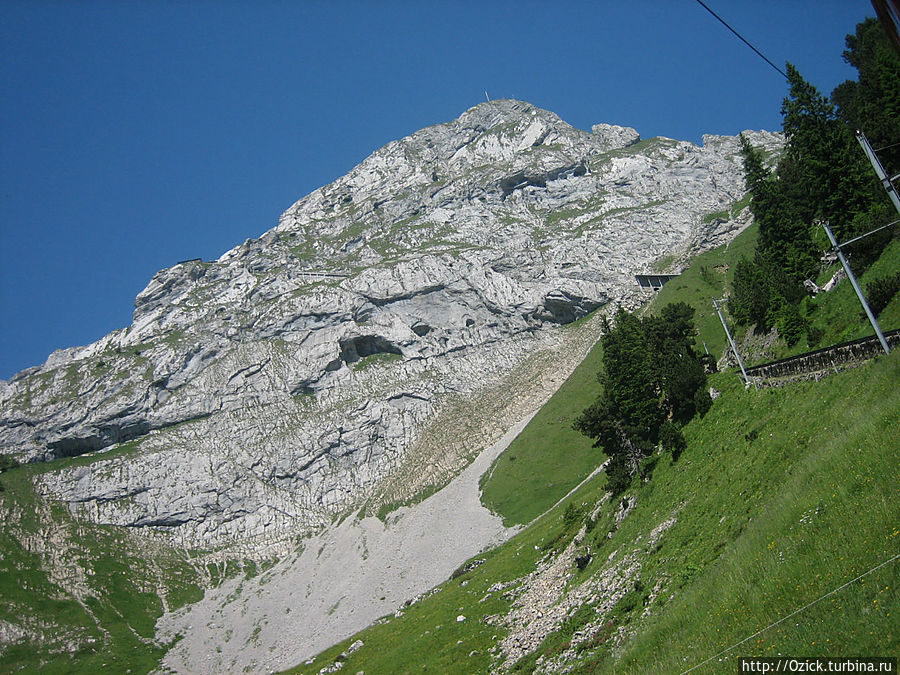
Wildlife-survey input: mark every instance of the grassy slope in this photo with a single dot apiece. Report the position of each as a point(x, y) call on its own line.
point(782, 496)
point(528, 479)
point(89, 594)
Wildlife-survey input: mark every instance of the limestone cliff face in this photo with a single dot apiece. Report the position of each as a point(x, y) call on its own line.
point(388, 327)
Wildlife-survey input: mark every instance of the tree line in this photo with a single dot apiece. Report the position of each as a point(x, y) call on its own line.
point(822, 175)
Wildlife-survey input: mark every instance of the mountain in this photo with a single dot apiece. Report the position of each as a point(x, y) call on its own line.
point(393, 324)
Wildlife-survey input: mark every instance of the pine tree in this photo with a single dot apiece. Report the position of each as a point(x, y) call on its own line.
point(825, 175)
point(651, 382)
point(629, 375)
point(759, 181)
point(872, 103)
point(679, 371)
point(822, 175)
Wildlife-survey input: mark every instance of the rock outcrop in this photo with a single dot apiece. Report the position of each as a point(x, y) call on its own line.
point(296, 378)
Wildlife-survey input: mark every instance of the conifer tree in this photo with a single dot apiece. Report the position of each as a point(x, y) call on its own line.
point(872, 103)
point(821, 175)
point(652, 382)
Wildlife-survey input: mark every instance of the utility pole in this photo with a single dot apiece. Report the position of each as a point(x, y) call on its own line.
point(888, 183)
point(859, 293)
point(731, 342)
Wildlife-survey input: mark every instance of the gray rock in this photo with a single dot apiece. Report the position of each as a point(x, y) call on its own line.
point(615, 137)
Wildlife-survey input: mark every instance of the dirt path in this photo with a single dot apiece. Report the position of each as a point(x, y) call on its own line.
point(340, 583)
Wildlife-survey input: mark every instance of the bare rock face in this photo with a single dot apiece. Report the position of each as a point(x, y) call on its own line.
point(304, 373)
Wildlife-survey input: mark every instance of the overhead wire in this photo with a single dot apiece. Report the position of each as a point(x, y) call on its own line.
point(742, 38)
point(867, 572)
point(794, 613)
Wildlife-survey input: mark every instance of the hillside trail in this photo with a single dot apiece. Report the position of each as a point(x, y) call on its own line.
point(341, 581)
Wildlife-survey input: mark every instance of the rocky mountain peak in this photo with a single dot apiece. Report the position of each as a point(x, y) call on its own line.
point(393, 323)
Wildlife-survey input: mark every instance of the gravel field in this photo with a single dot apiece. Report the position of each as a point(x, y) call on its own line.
point(341, 582)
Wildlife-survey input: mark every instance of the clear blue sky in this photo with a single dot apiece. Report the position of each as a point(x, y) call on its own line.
point(135, 134)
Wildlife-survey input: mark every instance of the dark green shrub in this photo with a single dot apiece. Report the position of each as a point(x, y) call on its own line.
point(672, 439)
point(702, 401)
point(618, 475)
point(880, 291)
point(7, 462)
point(791, 326)
point(814, 335)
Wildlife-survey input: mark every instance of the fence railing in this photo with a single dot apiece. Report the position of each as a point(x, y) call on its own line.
point(833, 358)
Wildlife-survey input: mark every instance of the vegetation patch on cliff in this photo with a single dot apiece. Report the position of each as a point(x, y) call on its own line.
point(76, 596)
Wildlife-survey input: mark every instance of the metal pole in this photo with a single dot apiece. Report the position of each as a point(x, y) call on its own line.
point(731, 341)
point(859, 293)
point(879, 170)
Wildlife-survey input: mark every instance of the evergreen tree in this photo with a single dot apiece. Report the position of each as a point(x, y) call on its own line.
point(872, 103)
point(679, 371)
point(817, 178)
point(760, 289)
point(651, 382)
point(629, 375)
point(749, 296)
point(824, 173)
point(821, 175)
point(791, 325)
point(759, 181)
